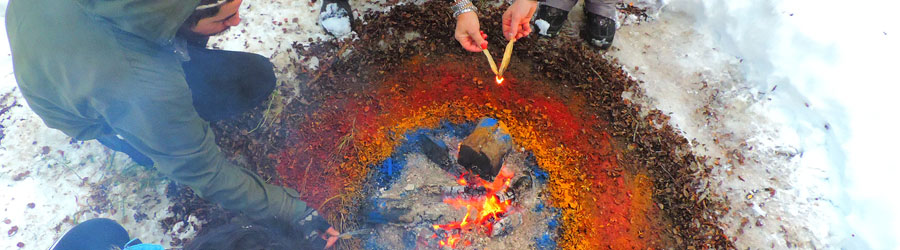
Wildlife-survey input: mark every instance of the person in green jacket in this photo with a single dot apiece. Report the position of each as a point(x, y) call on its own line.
point(136, 76)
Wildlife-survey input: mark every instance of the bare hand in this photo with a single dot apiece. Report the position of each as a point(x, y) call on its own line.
point(468, 32)
point(517, 19)
point(330, 237)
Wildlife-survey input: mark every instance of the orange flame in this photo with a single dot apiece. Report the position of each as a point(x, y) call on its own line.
point(461, 180)
point(488, 209)
point(499, 80)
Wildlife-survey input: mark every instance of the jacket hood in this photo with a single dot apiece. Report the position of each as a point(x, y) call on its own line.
point(154, 20)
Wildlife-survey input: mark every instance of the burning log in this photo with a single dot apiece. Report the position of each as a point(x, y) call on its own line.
point(482, 151)
point(463, 193)
point(506, 225)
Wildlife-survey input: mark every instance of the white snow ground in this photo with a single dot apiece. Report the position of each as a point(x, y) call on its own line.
point(802, 90)
point(828, 59)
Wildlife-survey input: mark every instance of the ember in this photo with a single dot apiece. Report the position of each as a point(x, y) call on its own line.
point(488, 208)
point(499, 80)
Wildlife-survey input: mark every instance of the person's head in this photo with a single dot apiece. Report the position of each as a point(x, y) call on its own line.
point(214, 16)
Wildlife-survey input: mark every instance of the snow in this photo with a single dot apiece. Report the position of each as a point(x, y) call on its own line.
point(542, 25)
point(760, 79)
point(335, 20)
point(818, 52)
point(808, 86)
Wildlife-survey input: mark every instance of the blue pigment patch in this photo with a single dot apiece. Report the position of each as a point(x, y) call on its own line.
point(531, 163)
point(488, 122)
point(548, 239)
point(545, 242)
point(389, 169)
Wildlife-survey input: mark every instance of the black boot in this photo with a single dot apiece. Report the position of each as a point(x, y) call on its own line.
point(549, 20)
point(600, 30)
point(334, 17)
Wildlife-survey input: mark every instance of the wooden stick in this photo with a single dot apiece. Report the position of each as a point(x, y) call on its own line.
point(490, 60)
point(506, 55)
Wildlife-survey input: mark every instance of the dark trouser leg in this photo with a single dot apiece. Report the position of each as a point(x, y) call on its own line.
point(605, 8)
point(114, 143)
point(94, 234)
point(223, 84)
point(227, 83)
point(561, 4)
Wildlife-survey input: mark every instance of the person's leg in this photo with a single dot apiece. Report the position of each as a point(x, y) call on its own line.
point(551, 15)
point(605, 8)
point(565, 5)
point(113, 142)
point(601, 16)
point(227, 83)
point(94, 234)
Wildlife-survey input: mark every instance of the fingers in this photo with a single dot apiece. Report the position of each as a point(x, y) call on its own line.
point(507, 22)
point(332, 232)
point(524, 30)
point(469, 44)
point(513, 31)
point(469, 34)
point(332, 237)
point(478, 38)
point(330, 241)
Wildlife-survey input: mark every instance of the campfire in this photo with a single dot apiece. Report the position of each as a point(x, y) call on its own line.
point(488, 200)
point(478, 194)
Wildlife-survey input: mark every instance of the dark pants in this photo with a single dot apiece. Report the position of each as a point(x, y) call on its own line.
point(605, 8)
point(95, 234)
point(223, 84)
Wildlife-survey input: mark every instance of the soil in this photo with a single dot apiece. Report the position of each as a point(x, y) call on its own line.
point(621, 176)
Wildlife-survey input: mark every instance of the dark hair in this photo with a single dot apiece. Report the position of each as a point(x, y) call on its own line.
point(260, 235)
point(204, 13)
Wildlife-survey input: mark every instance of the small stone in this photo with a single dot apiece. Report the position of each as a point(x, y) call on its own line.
point(31, 205)
point(410, 187)
point(20, 245)
point(7, 221)
point(21, 176)
point(12, 231)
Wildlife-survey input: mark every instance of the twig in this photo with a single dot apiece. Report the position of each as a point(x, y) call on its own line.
point(490, 60)
point(323, 69)
point(327, 200)
point(305, 177)
point(595, 72)
point(267, 114)
point(72, 170)
point(507, 54)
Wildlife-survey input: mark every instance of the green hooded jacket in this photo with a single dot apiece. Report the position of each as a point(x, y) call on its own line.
point(95, 67)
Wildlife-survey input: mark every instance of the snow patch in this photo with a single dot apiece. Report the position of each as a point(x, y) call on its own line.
point(801, 95)
point(543, 26)
point(335, 20)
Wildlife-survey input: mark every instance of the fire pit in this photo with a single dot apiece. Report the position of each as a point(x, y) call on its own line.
point(434, 203)
point(374, 136)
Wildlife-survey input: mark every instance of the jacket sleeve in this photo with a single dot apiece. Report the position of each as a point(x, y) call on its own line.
point(160, 121)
